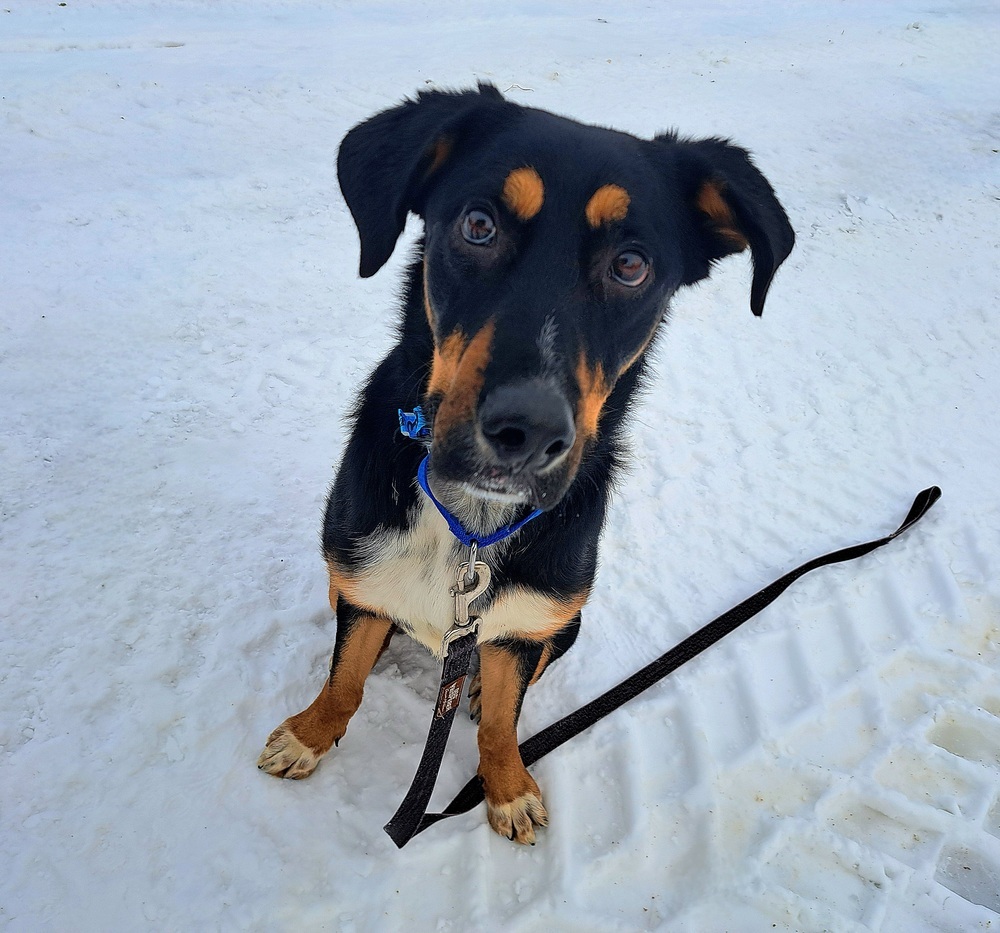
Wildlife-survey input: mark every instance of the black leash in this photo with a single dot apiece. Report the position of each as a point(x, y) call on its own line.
point(411, 817)
point(459, 647)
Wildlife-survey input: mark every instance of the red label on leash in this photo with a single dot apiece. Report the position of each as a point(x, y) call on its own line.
point(449, 697)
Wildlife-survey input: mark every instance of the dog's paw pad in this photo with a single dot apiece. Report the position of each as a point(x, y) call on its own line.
point(517, 820)
point(285, 756)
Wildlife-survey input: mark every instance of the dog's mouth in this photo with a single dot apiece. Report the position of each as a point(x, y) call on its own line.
point(460, 472)
point(497, 487)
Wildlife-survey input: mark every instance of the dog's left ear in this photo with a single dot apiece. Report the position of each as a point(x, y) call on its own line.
point(733, 206)
point(386, 163)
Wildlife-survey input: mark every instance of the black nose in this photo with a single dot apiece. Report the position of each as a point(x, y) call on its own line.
point(528, 425)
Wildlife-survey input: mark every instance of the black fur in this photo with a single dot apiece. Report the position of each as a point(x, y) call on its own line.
point(383, 165)
point(547, 316)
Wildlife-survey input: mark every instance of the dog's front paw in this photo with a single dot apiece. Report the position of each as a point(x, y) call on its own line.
point(285, 755)
point(518, 818)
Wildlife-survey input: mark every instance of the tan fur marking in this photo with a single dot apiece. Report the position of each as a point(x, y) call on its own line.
point(712, 204)
point(461, 392)
point(543, 662)
point(524, 193)
point(428, 307)
point(608, 204)
point(514, 802)
point(445, 364)
point(341, 584)
point(337, 581)
point(524, 612)
point(594, 392)
point(566, 610)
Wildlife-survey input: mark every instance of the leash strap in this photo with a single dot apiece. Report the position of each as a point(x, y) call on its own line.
point(572, 725)
point(406, 822)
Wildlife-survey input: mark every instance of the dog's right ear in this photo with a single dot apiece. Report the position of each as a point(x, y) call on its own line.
point(386, 163)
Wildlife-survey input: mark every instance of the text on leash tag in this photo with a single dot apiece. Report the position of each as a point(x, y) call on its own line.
point(449, 697)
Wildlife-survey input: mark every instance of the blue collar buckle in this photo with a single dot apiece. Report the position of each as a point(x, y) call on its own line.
point(412, 424)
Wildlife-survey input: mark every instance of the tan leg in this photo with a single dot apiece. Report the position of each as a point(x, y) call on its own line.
point(294, 749)
point(513, 800)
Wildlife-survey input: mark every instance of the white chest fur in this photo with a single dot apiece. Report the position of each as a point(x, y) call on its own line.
point(408, 576)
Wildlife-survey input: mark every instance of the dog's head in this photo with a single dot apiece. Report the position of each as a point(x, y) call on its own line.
point(551, 251)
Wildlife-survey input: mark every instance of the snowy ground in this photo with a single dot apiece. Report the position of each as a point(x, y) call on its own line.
point(181, 328)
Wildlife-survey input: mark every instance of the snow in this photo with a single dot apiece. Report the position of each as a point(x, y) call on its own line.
point(181, 330)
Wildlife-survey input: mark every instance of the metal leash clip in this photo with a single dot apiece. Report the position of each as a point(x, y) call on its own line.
point(473, 580)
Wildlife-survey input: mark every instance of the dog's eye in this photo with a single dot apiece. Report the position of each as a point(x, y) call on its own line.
point(478, 228)
point(630, 268)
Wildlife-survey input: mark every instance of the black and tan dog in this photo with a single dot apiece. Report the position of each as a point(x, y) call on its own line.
point(550, 254)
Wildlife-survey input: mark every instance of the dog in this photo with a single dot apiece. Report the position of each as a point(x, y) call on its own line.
point(550, 253)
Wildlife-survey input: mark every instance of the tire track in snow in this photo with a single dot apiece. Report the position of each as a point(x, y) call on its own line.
point(834, 774)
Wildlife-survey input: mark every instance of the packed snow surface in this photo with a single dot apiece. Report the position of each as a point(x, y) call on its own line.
point(182, 331)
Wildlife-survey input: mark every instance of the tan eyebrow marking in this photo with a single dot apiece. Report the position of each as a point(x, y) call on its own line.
point(608, 204)
point(524, 193)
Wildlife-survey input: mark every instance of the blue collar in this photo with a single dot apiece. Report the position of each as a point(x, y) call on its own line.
point(456, 526)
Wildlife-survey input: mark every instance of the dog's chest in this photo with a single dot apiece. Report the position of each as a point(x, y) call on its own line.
point(409, 574)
